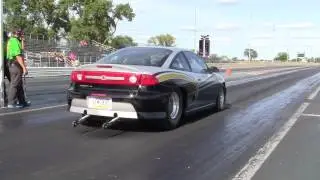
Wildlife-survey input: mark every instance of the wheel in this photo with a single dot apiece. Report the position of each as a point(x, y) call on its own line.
point(174, 110)
point(221, 100)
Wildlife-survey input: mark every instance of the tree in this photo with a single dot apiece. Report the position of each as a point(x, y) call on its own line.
point(250, 53)
point(162, 40)
point(78, 19)
point(35, 17)
point(96, 20)
point(234, 59)
point(282, 56)
point(120, 41)
point(15, 14)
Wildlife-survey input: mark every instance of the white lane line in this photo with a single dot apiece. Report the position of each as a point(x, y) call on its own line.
point(31, 110)
point(311, 115)
point(314, 94)
point(255, 163)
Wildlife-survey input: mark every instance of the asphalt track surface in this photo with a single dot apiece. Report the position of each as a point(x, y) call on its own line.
point(210, 145)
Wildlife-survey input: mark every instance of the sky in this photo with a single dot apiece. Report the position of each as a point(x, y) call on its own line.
point(269, 26)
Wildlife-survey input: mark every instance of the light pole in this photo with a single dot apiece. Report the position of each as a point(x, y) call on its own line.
point(195, 29)
point(249, 44)
point(249, 53)
point(274, 39)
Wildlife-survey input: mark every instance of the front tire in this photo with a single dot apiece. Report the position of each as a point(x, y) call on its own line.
point(174, 110)
point(221, 100)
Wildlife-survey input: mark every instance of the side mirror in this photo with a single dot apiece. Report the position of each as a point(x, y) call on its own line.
point(213, 69)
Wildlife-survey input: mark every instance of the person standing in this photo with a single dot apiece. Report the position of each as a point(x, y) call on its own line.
point(17, 69)
point(22, 41)
point(5, 66)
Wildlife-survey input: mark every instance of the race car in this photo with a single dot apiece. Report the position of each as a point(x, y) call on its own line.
point(146, 83)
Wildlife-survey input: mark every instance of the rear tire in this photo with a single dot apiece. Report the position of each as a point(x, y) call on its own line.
point(174, 110)
point(221, 100)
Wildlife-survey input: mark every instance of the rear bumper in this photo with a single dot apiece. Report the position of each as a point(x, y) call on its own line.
point(127, 102)
point(119, 109)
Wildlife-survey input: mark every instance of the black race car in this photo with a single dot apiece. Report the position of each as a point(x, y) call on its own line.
point(145, 83)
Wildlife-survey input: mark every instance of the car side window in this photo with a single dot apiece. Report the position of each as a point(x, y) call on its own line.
point(180, 63)
point(196, 63)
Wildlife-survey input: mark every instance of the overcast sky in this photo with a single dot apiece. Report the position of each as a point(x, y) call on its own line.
point(268, 26)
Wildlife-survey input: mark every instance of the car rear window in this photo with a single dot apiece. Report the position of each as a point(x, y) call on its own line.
point(137, 56)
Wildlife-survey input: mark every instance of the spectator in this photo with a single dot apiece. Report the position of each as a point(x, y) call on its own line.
point(5, 65)
point(17, 69)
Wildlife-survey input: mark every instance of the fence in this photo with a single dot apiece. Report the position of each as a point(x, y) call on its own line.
point(41, 52)
point(49, 71)
point(49, 60)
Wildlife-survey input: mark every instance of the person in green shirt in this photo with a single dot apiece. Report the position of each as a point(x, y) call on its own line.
point(17, 69)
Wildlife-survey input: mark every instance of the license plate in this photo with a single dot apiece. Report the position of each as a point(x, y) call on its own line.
point(101, 103)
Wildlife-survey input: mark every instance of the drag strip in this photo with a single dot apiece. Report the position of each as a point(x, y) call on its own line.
point(51, 91)
point(43, 145)
point(46, 93)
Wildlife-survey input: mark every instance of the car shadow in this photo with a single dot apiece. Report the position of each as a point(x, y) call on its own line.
point(151, 126)
point(202, 115)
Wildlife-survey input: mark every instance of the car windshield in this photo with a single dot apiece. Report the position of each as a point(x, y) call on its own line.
point(137, 56)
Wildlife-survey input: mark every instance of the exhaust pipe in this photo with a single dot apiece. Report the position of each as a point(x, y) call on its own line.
point(106, 125)
point(81, 120)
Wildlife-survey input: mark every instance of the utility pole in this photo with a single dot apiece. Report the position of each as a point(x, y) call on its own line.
point(1, 58)
point(195, 29)
point(250, 25)
point(274, 39)
point(249, 53)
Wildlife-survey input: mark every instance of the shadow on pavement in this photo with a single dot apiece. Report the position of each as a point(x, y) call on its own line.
point(129, 125)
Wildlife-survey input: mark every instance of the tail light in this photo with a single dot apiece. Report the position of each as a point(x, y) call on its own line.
point(148, 80)
point(113, 78)
point(76, 76)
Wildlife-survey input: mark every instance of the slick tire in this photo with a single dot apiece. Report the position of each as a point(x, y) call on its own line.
point(221, 100)
point(174, 110)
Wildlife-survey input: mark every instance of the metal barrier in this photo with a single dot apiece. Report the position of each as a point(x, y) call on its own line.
point(46, 59)
point(49, 71)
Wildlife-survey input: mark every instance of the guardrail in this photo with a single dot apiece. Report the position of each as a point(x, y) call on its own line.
point(49, 71)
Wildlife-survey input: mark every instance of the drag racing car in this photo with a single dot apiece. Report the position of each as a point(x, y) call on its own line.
point(144, 83)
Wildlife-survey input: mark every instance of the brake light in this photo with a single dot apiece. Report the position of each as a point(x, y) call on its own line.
point(76, 76)
point(148, 80)
point(113, 78)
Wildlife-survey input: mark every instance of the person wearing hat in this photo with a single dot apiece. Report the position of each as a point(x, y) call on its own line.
point(17, 69)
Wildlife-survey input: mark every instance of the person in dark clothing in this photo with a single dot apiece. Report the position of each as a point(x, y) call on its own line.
point(17, 69)
point(5, 65)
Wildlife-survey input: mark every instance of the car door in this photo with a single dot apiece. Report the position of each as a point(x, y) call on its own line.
point(207, 90)
point(181, 64)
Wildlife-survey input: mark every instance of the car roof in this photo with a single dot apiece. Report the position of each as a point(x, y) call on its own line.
point(174, 49)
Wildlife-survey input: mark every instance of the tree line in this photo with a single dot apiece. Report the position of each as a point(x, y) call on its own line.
point(75, 20)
